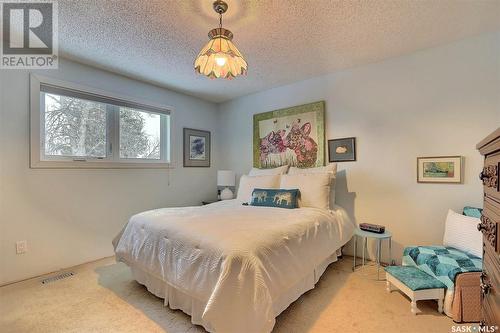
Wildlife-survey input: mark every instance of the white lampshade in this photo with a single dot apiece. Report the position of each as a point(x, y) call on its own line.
point(225, 178)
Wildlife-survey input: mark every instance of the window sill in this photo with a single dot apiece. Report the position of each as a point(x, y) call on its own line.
point(97, 165)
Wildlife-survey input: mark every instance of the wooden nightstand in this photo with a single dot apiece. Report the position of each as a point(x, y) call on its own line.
point(207, 202)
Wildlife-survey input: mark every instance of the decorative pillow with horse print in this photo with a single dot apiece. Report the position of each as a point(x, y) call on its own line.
point(275, 198)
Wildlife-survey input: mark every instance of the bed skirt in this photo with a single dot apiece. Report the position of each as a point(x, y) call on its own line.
point(178, 300)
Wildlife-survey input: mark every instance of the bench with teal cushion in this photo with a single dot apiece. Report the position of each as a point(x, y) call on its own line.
point(440, 262)
point(414, 278)
point(416, 284)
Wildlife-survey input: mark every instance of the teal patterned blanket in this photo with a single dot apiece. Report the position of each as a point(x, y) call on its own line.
point(443, 263)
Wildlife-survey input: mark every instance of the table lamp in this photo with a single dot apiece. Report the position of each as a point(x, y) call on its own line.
point(226, 178)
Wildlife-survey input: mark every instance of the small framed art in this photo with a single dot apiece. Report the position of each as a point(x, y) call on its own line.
point(440, 169)
point(342, 150)
point(196, 148)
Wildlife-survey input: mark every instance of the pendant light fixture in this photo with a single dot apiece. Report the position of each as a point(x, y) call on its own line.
point(220, 57)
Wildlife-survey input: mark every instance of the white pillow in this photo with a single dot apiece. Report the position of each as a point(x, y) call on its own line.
point(461, 233)
point(249, 183)
point(331, 169)
point(268, 172)
point(314, 188)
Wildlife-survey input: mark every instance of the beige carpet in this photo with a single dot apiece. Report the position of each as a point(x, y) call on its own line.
point(102, 297)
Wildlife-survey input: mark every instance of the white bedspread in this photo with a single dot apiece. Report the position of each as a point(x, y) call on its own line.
point(236, 258)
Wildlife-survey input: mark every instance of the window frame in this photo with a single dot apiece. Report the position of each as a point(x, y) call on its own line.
point(38, 159)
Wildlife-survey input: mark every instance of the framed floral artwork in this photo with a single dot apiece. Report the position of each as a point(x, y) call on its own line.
point(293, 136)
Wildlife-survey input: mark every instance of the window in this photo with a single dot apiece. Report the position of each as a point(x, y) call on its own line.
point(139, 134)
point(73, 127)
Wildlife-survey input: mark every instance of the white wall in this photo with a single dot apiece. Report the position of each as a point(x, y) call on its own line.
point(70, 216)
point(439, 101)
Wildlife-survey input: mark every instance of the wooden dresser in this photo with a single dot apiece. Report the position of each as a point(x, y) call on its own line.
point(489, 226)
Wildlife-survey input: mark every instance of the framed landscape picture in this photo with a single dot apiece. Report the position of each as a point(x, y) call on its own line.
point(342, 150)
point(293, 136)
point(441, 169)
point(196, 148)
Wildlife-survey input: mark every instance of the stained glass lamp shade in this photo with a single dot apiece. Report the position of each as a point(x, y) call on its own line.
point(220, 58)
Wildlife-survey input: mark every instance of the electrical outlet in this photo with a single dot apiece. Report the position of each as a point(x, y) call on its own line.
point(21, 247)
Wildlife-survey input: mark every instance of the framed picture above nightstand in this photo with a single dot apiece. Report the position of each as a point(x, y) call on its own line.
point(196, 148)
point(342, 150)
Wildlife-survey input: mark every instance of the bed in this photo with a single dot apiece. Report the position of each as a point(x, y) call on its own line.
point(232, 267)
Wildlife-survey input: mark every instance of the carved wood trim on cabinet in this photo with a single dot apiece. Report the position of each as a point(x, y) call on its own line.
point(489, 230)
point(490, 278)
point(489, 176)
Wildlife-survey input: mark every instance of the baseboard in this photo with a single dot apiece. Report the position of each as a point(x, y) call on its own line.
point(53, 272)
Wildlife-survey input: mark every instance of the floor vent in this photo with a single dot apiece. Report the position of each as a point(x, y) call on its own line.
point(57, 277)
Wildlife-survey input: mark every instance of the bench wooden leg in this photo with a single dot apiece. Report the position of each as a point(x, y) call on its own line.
point(388, 286)
point(440, 305)
point(414, 308)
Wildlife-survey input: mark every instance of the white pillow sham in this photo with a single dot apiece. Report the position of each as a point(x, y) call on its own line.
point(249, 183)
point(331, 169)
point(314, 188)
point(461, 233)
point(268, 172)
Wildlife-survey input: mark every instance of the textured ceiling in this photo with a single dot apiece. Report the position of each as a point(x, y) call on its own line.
point(283, 40)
